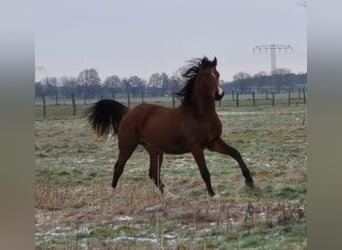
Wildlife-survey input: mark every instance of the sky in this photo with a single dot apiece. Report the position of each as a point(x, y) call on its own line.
point(127, 38)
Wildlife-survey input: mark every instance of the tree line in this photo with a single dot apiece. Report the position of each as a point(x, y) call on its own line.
point(88, 84)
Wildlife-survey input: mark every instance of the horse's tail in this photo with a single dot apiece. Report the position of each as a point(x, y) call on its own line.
point(105, 115)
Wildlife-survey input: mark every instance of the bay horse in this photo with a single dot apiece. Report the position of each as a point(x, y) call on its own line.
point(191, 127)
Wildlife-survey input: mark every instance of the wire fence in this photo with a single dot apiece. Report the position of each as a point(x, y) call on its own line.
point(54, 107)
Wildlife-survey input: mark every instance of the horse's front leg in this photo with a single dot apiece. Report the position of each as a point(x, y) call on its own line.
point(156, 160)
point(200, 160)
point(222, 147)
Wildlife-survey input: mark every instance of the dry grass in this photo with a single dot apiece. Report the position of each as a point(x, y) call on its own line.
point(75, 207)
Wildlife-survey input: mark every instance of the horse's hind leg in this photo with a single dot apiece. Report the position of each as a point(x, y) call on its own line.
point(222, 147)
point(124, 155)
point(156, 160)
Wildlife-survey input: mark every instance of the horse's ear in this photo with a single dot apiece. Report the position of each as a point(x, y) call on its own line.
point(215, 61)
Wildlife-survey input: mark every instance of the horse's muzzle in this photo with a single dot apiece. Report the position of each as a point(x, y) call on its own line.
point(218, 96)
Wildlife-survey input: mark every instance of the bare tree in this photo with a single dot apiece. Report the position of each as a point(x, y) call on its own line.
point(260, 74)
point(154, 83)
point(90, 80)
point(240, 81)
point(164, 81)
point(136, 85)
point(112, 84)
point(279, 78)
point(50, 86)
point(68, 85)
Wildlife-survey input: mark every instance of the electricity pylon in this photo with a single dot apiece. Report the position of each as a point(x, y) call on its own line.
point(273, 49)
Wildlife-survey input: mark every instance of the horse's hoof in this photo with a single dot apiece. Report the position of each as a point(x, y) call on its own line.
point(250, 184)
point(216, 197)
point(212, 194)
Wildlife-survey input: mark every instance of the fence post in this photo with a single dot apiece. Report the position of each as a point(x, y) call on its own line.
point(128, 100)
point(44, 106)
point(299, 97)
point(237, 99)
point(142, 97)
point(233, 95)
point(289, 97)
point(266, 94)
point(173, 100)
point(272, 98)
point(85, 100)
point(253, 97)
point(56, 99)
point(73, 104)
point(304, 96)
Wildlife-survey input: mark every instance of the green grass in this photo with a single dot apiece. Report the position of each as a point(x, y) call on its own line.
point(74, 206)
point(289, 193)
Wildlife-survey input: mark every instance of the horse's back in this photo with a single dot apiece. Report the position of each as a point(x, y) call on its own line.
point(144, 111)
point(153, 125)
point(137, 117)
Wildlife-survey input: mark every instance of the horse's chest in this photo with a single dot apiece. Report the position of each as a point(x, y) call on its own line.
point(207, 133)
point(215, 130)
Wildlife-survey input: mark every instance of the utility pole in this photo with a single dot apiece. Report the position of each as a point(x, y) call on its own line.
point(273, 48)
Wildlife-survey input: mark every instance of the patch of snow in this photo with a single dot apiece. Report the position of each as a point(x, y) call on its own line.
point(123, 218)
point(84, 161)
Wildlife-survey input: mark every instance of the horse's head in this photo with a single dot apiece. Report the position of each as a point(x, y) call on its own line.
point(208, 79)
point(202, 78)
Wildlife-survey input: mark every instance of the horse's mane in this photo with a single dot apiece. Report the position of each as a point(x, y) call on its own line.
point(190, 75)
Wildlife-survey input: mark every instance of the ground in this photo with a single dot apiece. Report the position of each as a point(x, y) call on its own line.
point(75, 206)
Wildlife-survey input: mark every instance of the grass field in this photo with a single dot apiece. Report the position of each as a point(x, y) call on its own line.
point(75, 207)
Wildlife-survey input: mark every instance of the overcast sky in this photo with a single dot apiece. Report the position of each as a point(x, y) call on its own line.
point(127, 38)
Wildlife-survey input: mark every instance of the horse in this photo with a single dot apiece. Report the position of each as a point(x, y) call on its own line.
point(191, 127)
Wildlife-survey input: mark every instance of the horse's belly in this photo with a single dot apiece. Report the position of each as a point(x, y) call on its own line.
point(163, 142)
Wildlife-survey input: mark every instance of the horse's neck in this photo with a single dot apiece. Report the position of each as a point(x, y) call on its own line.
point(207, 109)
point(204, 106)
